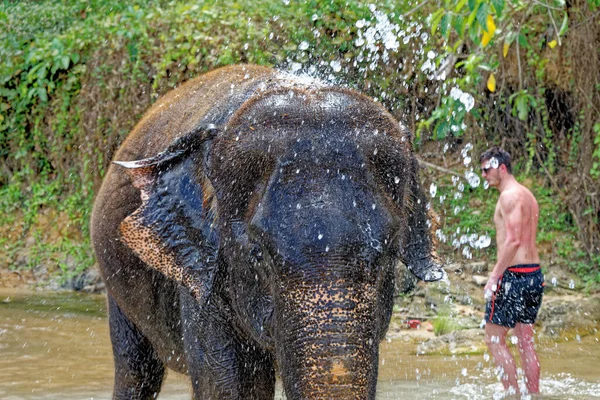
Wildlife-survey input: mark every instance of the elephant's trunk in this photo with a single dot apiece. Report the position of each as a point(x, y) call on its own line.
point(329, 343)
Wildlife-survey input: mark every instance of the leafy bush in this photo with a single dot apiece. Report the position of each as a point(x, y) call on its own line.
point(76, 76)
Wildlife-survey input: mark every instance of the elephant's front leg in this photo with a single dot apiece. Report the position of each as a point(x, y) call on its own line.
point(138, 370)
point(220, 364)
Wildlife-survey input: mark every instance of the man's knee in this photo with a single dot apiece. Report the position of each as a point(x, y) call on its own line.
point(492, 340)
point(495, 335)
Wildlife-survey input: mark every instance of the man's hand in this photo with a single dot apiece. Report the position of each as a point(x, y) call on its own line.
point(491, 286)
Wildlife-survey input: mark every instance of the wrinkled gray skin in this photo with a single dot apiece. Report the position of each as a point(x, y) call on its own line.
point(253, 224)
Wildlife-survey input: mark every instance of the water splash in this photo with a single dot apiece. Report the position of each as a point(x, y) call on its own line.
point(466, 99)
point(433, 189)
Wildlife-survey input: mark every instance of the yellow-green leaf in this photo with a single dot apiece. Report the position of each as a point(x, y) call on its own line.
point(491, 83)
point(552, 44)
point(505, 49)
point(491, 28)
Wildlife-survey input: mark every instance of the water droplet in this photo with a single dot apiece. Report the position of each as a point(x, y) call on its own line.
point(466, 252)
point(303, 46)
point(433, 189)
point(472, 178)
point(396, 180)
point(320, 236)
point(336, 66)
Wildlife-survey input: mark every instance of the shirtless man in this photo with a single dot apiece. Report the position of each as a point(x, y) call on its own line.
point(515, 287)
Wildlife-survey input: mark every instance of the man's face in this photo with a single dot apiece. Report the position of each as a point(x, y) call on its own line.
point(490, 171)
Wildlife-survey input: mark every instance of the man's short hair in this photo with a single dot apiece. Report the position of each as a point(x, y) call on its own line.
point(499, 154)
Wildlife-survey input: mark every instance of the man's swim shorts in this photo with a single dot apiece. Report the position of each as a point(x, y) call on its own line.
point(518, 297)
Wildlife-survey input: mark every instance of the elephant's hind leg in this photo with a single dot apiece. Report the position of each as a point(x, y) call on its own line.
point(221, 365)
point(138, 370)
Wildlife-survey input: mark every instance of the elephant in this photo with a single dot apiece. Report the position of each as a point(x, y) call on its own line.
point(249, 227)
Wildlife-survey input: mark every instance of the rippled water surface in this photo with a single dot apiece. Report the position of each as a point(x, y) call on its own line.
point(57, 346)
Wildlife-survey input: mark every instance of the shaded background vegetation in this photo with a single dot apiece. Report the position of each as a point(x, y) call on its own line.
point(76, 76)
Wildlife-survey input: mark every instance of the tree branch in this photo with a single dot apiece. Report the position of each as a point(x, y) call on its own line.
point(438, 168)
point(548, 6)
point(555, 27)
point(519, 61)
point(406, 14)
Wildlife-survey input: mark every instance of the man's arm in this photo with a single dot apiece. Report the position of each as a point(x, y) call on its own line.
point(512, 215)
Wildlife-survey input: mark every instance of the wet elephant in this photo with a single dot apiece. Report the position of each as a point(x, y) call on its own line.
point(251, 224)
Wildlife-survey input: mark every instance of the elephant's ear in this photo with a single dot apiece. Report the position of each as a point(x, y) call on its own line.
point(418, 253)
point(172, 231)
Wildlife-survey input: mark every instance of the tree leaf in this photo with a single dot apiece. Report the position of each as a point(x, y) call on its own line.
point(458, 23)
point(65, 60)
point(489, 32)
point(460, 5)
point(565, 25)
point(473, 4)
point(445, 23)
point(498, 7)
point(523, 41)
point(436, 17)
point(482, 16)
point(505, 49)
point(471, 18)
point(491, 83)
point(552, 44)
point(42, 94)
point(522, 107)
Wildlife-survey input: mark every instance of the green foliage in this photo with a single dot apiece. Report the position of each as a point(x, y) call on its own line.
point(76, 76)
point(595, 171)
point(443, 322)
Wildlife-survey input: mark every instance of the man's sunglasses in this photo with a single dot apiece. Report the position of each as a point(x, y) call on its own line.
point(486, 170)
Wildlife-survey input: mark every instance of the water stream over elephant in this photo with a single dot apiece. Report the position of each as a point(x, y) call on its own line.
point(57, 345)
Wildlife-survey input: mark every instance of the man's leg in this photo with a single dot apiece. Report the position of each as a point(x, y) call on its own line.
point(495, 338)
point(529, 358)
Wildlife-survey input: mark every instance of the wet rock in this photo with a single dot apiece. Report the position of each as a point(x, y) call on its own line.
point(457, 342)
point(456, 268)
point(569, 313)
point(476, 267)
point(89, 281)
point(479, 280)
point(21, 258)
point(12, 278)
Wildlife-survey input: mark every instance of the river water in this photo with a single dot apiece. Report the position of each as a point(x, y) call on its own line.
point(57, 346)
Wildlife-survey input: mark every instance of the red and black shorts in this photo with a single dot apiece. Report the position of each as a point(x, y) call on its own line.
point(518, 297)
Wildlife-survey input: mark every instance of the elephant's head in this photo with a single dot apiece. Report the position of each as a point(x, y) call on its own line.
point(310, 197)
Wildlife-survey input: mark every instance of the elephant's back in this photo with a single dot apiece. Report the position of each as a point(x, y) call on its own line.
point(211, 98)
